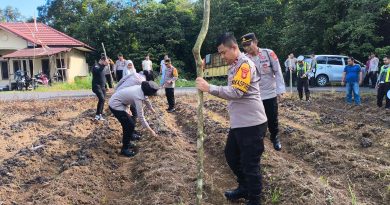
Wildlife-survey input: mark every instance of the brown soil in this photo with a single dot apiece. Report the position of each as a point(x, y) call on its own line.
point(54, 153)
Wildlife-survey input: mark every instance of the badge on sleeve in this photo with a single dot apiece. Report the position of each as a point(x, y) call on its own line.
point(242, 78)
point(388, 94)
point(274, 56)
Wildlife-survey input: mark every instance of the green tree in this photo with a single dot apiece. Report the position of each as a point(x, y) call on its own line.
point(10, 14)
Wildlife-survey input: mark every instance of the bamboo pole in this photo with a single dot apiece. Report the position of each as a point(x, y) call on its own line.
point(109, 65)
point(200, 132)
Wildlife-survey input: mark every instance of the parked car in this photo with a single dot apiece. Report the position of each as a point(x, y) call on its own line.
point(330, 68)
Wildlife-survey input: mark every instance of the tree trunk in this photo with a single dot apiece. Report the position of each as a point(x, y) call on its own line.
point(200, 133)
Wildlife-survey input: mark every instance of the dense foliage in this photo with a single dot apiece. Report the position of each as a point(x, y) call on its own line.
point(138, 27)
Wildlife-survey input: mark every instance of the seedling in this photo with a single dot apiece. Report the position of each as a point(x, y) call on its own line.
point(352, 193)
point(276, 193)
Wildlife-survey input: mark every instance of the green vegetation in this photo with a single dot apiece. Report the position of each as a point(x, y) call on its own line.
point(138, 27)
point(353, 195)
point(84, 83)
point(276, 193)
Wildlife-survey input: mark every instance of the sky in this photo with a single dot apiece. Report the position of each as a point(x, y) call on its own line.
point(26, 7)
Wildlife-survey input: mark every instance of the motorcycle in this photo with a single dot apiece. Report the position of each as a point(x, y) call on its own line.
point(41, 79)
point(23, 81)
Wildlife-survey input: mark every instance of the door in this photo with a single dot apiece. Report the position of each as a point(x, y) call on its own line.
point(321, 65)
point(46, 67)
point(30, 62)
point(4, 70)
point(336, 68)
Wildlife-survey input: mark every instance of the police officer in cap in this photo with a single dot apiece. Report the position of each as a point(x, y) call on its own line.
point(271, 82)
point(248, 121)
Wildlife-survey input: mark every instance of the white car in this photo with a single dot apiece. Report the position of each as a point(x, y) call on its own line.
point(330, 68)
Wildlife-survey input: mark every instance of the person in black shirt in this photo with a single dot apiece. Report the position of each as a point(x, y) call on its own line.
point(98, 85)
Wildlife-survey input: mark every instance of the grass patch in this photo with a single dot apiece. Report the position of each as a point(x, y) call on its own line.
point(80, 83)
point(182, 83)
point(324, 180)
point(353, 195)
point(276, 193)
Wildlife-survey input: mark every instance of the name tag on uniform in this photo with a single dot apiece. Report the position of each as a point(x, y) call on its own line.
point(242, 79)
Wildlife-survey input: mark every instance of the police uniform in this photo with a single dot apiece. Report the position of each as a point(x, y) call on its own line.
point(271, 84)
point(384, 86)
point(98, 86)
point(248, 122)
point(302, 80)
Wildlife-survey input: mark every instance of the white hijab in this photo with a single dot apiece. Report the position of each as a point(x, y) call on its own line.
point(127, 71)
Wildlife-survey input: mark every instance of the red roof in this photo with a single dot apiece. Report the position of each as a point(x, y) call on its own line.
point(42, 34)
point(31, 52)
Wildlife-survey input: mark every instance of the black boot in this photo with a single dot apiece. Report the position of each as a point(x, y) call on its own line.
point(307, 97)
point(131, 146)
point(276, 142)
point(135, 137)
point(128, 153)
point(253, 202)
point(236, 194)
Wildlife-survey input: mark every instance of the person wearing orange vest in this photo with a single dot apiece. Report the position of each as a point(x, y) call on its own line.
point(383, 84)
point(303, 69)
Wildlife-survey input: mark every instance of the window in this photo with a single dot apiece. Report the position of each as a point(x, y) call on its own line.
point(321, 59)
point(16, 65)
point(24, 66)
point(60, 64)
point(345, 61)
point(4, 70)
point(335, 61)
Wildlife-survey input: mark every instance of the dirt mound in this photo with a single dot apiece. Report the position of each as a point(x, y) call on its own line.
point(54, 153)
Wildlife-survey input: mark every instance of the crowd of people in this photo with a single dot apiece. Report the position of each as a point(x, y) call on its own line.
point(302, 74)
point(254, 89)
point(131, 92)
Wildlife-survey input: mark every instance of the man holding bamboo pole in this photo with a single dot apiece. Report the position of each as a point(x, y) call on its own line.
point(248, 120)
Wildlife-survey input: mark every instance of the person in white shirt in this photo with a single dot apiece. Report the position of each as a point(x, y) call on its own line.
point(374, 65)
point(147, 67)
point(130, 70)
point(290, 65)
point(119, 66)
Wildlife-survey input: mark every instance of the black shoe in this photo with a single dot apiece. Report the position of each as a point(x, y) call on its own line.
point(236, 194)
point(135, 137)
point(171, 110)
point(132, 145)
point(276, 142)
point(128, 153)
point(253, 202)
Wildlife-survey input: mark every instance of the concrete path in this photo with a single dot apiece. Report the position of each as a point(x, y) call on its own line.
point(31, 95)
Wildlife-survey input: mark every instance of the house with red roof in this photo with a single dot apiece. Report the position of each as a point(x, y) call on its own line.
point(35, 48)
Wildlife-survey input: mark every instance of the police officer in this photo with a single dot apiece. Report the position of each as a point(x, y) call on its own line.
point(271, 82)
point(248, 121)
point(383, 84)
point(98, 85)
point(303, 69)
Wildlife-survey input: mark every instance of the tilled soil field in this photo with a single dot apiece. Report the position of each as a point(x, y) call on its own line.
point(52, 152)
